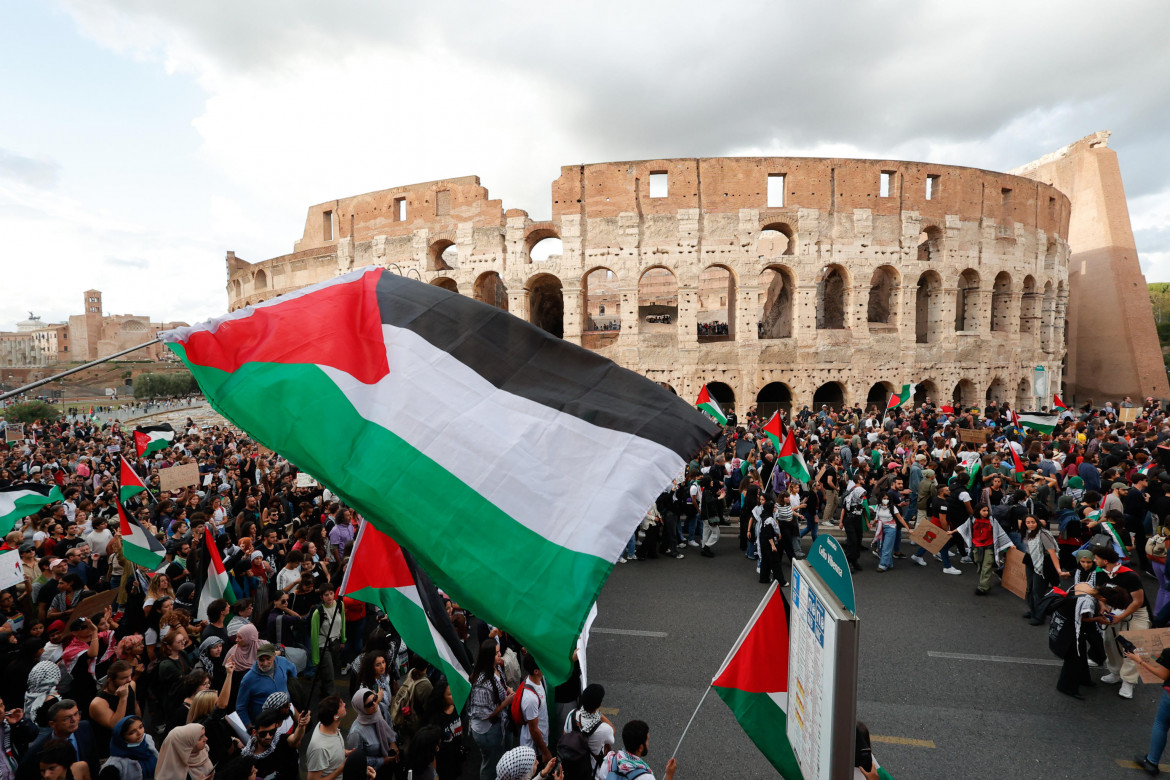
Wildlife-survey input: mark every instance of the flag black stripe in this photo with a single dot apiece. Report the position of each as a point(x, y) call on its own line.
point(524, 360)
point(436, 612)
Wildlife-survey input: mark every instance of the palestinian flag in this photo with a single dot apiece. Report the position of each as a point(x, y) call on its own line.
point(1057, 403)
point(1145, 467)
point(23, 499)
point(1017, 464)
point(1041, 423)
point(788, 457)
point(152, 438)
point(902, 397)
point(138, 546)
point(974, 476)
point(383, 574)
point(391, 391)
point(216, 586)
point(707, 403)
point(753, 682)
point(129, 483)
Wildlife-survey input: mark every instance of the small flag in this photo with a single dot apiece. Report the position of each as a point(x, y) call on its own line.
point(902, 397)
point(383, 574)
point(1017, 464)
point(974, 476)
point(1041, 423)
point(788, 457)
point(138, 546)
point(217, 585)
point(152, 438)
point(129, 483)
point(706, 403)
point(753, 682)
point(1057, 403)
point(23, 499)
point(1145, 467)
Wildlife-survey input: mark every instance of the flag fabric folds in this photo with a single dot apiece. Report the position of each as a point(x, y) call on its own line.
point(216, 584)
point(383, 574)
point(753, 682)
point(707, 403)
point(23, 499)
point(512, 464)
point(905, 395)
point(1057, 403)
point(788, 457)
point(138, 546)
point(149, 439)
point(1041, 423)
point(129, 483)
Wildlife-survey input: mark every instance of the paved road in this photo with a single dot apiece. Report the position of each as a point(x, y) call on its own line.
point(944, 717)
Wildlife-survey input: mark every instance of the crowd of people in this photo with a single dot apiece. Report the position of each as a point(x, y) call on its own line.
point(714, 329)
point(118, 672)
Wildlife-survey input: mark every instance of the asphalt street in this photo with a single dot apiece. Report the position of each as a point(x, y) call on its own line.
point(929, 689)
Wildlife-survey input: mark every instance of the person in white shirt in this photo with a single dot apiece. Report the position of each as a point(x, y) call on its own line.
point(100, 536)
point(597, 728)
point(534, 732)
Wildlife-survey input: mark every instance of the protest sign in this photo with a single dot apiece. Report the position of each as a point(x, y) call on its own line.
point(1150, 643)
point(1015, 580)
point(92, 605)
point(305, 480)
point(975, 436)
point(10, 571)
point(14, 432)
point(929, 536)
point(178, 477)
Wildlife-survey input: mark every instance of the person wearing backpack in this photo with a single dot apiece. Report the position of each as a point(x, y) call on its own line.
point(529, 711)
point(588, 736)
point(406, 710)
point(630, 763)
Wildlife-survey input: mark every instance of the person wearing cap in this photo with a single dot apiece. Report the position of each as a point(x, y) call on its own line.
point(269, 675)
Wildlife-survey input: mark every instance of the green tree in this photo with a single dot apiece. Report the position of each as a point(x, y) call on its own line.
point(30, 411)
point(165, 385)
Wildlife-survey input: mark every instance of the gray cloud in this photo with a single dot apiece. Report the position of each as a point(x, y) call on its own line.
point(38, 173)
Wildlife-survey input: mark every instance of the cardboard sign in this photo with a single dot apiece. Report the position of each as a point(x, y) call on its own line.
point(92, 605)
point(305, 480)
point(1150, 643)
point(114, 448)
point(1128, 414)
point(1015, 580)
point(973, 435)
point(14, 432)
point(10, 571)
point(929, 536)
point(178, 477)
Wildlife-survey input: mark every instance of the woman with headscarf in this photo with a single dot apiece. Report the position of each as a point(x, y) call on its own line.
point(15, 678)
point(132, 752)
point(41, 690)
point(184, 755)
point(211, 659)
point(520, 764)
point(372, 734)
point(243, 655)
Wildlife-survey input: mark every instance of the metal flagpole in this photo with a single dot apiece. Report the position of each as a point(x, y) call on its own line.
point(692, 720)
point(90, 364)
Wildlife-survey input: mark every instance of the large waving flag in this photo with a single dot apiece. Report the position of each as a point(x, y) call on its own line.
point(1057, 403)
point(149, 439)
point(216, 585)
point(1041, 423)
point(707, 403)
point(788, 457)
point(753, 682)
point(383, 574)
point(23, 499)
point(902, 397)
point(391, 392)
point(137, 545)
point(129, 483)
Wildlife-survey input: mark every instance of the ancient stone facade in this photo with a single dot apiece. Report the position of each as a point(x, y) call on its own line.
point(774, 280)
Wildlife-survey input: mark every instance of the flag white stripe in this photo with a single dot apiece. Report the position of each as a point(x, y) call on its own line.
point(9, 498)
point(411, 592)
point(600, 496)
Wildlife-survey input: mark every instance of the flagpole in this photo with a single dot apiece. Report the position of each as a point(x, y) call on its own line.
point(90, 364)
point(689, 722)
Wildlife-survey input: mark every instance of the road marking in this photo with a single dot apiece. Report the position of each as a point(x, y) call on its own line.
point(1001, 659)
point(1126, 763)
point(629, 632)
point(609, 711)
point(922, 743)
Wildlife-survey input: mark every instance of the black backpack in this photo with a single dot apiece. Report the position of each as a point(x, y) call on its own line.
point(573, 751)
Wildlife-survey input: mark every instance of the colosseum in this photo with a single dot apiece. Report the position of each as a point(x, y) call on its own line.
point(779, 282)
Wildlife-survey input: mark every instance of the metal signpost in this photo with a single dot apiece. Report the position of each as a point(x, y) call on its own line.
point(822, 664)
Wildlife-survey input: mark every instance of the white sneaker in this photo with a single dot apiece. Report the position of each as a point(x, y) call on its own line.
point(966, 559)
point(679, 556)
point(622, 559)
point(1111, 679)
point(951, 570)
point(938, 557)
point(693, 543)
point(828, 524)
point(1126, 691)
point(1093, 663)
point(918, 559)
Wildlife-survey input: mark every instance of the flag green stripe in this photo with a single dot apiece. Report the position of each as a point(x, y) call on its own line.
point(127, 491)
point(301, 413)
point(410, 620)
point(765, 723)
point(138, 555)
point(24, 505)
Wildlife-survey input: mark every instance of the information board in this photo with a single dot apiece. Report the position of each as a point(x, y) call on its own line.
point(822, 678)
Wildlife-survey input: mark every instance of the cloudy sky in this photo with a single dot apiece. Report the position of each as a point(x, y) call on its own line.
point(140, 140)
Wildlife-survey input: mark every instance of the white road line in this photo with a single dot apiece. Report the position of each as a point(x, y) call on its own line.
point(1000, 659)
point(629, 632)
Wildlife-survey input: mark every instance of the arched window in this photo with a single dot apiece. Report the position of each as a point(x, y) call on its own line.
point(882, 303)
point(1001, 298)
point(446, 282)
point(831, 303)
point(715, 318)
point(928, 308)
point(260, 281)
point(543, 247)
point(723, 395)
point(967, 302)
point(775, 240)
point(443, 255)
point(1029, 308)
point(777, 290)
point(831, 394)
point(546, 304)
point(489, 288)
point(924, 390)
point(879, 396)
point(930, 245)
point(658, 302)
point(773, 397)
point(964, 395)
point(600, 293)
point(996, 391)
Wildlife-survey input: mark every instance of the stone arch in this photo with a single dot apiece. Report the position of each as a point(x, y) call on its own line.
point(879, 395)
point(830, 393)
point(490, 289)
point(1024, 399)
point(715, 314)
point(930, 244)
point(1029, 307)
point(777, 294)
point(1001, 298)
point(446, 282)
point(1047, 317)
point(964, 396)
point(832, 298)
point(1050, 254)
point(601, 297)
point(925, 389)
point(442, 255)
point(774, 397)
point(996, 391)
point(236, 288)
point(967, 301)
point(546, 304)
point(260, 281)
point(928, 308)
point(883, 288)
point(723, 395)
point(668, 386)
point(547, 238)
point(658, 301)
point(776, 239)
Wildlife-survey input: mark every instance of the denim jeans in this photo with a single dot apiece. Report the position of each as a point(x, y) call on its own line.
point(810, 519)
point(1161, 726)
point(491, 750)
point(944, 553)
point(632, 545)
point(889, 537)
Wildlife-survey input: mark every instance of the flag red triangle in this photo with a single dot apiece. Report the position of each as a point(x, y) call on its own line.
point(127, 476)
point(760, 663)
point(376, 562)
point(1059, 404)
point(704, 397)
point(141, 442)
point(1017, 463)
point(213, 557)
point(775, 427)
